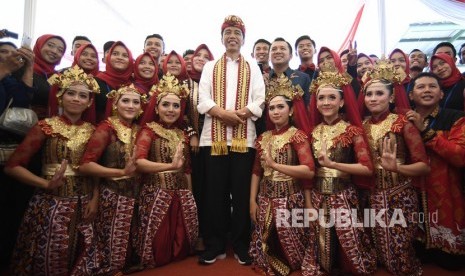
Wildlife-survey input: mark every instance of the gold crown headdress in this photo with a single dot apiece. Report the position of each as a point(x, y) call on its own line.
point(128, 89)
point(71, 76)
point(384, 70)
point(169, 84)
point(329, 76)
point(282, 86)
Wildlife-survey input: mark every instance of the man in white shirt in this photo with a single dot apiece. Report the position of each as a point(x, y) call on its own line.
point(232, 95)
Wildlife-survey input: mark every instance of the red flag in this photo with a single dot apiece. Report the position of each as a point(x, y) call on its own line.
point(353, 30)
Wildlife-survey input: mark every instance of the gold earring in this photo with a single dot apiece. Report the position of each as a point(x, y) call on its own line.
point(140, 113)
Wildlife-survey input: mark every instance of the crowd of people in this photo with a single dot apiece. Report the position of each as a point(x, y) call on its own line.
point(167, 155)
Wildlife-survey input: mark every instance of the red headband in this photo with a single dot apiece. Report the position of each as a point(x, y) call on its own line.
point(233, 21)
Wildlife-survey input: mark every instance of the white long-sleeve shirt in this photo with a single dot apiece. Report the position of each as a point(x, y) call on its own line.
point(255, 101)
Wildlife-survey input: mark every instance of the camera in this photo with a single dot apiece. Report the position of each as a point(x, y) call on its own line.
point(6, 33)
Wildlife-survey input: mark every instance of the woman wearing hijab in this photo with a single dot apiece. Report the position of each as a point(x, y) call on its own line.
point(202, 55)
point(452, 82)
point(175, 65)
point(48, 51)
point(86, 58)
point(145, 73)
point(118, 73)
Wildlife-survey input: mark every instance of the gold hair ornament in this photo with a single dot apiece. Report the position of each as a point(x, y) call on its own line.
point(128, 89)
point(72, 76)
point(329, 76)
point(384, 70)
point(282, 86)
point(169, 84)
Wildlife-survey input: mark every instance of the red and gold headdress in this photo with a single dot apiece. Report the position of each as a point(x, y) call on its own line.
point(233, 21)
point(384, 70)
point(129, 89)
point(282, 86)
point(61, 82)
point(329, 76)
point(71, 76)
point(169, 84)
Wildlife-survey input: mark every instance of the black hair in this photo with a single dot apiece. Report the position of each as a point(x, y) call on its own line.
point(282, 39)
point(418, 50)
point(424, 75)
point(261, 40)
point(8, 43)
point(445, 44)
point(188, 52)
point(373, 56)
point(346, 51)
point(81, 37)
point(155, 36)
point(462, 61)
point(107, 45)
point(303, 38)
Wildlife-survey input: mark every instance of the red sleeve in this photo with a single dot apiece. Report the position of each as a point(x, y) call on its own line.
point(363, 156)
point(31, 144)
point(257, 166)
point(143, 142)
point(414, 144)
point(98, 142)
point(301, 145)
point(362, 152)
point(450, 146)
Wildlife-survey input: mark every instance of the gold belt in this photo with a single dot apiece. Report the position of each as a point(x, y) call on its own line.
point(331, 185)
point(6, 151)
point(327, 172)
point(386, 179)
point(272, 188)
point(50, 169)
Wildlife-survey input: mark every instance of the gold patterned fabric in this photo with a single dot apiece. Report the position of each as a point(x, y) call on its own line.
point(115, 156)
point(376, 133)
point(162, 150)
point(67, 142)
point(239, 132)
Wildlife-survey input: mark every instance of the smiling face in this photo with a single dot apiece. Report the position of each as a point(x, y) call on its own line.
point(417, 60)
point(426, 92)
point(305, 50)
point(169, 109)
point(399, 61)
point(328, 102)
point(279, 111)
point(441, 68)
point(119, 59)
point(364, 65)
point(232, 39)
point(174, 65)
point(280, 53)
point(154, 46)
point(261, 52)
point(146, 67)
point(377, 98)
point(53, 50)
point(88, 59)
point(199, 60)
point(75, 99)
point(128, 106)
